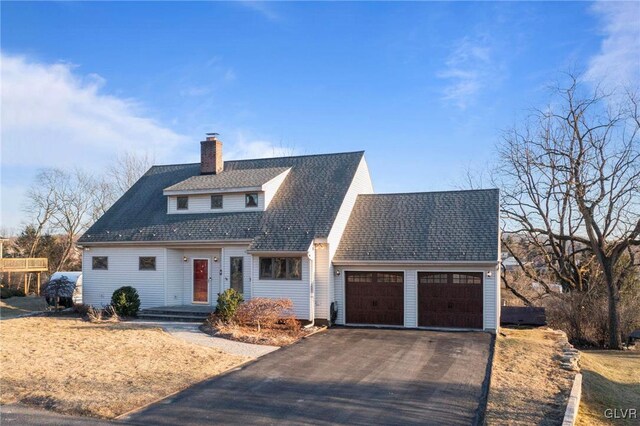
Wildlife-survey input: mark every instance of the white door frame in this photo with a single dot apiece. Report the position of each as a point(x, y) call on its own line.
point(193, 278)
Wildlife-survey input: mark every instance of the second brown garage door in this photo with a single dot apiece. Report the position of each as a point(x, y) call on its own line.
point(450, 299)
point(374, 298)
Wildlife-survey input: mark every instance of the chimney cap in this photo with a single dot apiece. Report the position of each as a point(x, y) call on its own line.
point(212, 135)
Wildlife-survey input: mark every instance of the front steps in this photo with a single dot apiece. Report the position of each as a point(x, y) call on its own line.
point(176, 313)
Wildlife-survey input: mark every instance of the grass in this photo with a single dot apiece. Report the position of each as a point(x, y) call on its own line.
point(611, 379)
point(16, 306)
point(106, 369)
point(527, 384)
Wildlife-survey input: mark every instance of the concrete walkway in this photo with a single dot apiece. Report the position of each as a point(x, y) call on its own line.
point(191, 333)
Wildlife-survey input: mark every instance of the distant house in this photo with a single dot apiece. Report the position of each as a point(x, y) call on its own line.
point(306, 228)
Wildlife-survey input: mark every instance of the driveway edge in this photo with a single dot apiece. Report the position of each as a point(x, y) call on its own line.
point(479, 418)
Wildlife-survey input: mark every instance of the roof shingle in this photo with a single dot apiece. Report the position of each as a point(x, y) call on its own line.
point(228, 179)
point(428, 226)
point(304, 207)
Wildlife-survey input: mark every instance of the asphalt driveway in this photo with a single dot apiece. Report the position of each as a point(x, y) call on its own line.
point(345, 375)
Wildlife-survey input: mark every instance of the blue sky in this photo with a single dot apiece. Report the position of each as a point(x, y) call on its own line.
point(424, 88)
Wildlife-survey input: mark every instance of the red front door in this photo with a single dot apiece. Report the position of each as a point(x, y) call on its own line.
point(200, 280)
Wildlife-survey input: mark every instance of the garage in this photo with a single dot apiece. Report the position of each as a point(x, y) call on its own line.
point(450, 299)
point(374, 297)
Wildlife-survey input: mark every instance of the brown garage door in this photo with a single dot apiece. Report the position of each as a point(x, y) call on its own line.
point(450, 299)
point(375, 298)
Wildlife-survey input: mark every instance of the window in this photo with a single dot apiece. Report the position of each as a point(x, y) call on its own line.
point(251, 200)
point(280, 268)
point(433, 278)
point(469, 278)
point(147, 263)
point(183, 203)
point(450, 278)
point(359, 277)
point(216, 201)
point(100, 262)
point(237, 278)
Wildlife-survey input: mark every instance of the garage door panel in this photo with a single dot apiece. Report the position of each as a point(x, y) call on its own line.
point(374, 298)
point(447, 299)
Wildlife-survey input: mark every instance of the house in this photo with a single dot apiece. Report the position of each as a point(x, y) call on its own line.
point(305, 228)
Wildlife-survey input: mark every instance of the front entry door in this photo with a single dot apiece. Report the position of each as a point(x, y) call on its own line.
point(200, 280)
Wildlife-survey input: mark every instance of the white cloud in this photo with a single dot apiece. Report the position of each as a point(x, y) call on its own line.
point(52, 116)
point(262, 7)
point(469, 69)
point(618, 62)
point(244, 147)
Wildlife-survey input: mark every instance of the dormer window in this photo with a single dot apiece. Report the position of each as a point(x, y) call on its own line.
point(183, 203)
point(216, 201)
point(251, 199)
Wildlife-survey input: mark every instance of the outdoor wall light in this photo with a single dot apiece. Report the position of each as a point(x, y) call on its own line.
point(489, 274)
point(215, 259)
point(337, 272)
point(184, 258)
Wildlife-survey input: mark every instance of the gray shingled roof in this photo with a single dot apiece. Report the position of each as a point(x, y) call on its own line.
point(428, 226)
point(228, 179)
point(304, 207)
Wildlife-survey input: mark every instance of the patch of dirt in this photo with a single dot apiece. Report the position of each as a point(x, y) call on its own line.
point(105, 369)
point(610, 380)
point(266, 336)
point(527, 384)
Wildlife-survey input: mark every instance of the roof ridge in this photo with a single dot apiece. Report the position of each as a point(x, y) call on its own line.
point(264, 158)
point(429, 192)
point(296, 156)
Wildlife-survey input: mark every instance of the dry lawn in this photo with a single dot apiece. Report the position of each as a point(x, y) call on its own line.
point(15, 306)
point(106, 369)
point(527, 384)
point(610, 379)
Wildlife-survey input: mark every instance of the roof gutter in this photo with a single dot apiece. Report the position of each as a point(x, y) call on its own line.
point(415, 262)
point(165, 243)
point(277, 253)
point(212, 190)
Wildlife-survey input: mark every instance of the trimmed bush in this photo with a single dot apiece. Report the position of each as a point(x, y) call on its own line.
point(261, 312)
point(6, 292)
point(125, 301)
point(228, 302)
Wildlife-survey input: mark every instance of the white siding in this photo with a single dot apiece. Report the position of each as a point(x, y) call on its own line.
point(229, 252)
point(491, 292)
point(410, 298)
point(202, 204)
point(175, 277)
point(322, 285)
point(296, 290)
point(99, 285)
point(361, 184)
point(271, 188)
point(491, 305)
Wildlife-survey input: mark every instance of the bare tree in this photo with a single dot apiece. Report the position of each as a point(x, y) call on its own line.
point(126, 170)
point(73, 194)
point(571, 190)
point(41, 202)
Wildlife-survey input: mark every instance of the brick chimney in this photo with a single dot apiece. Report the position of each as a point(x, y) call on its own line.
point(211, 155)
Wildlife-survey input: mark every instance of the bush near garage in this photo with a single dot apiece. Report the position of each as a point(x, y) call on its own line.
point(125, 301)
point(261, 313)
point(228, 302)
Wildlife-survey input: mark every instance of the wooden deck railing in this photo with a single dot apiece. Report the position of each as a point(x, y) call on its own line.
point(31, 264)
